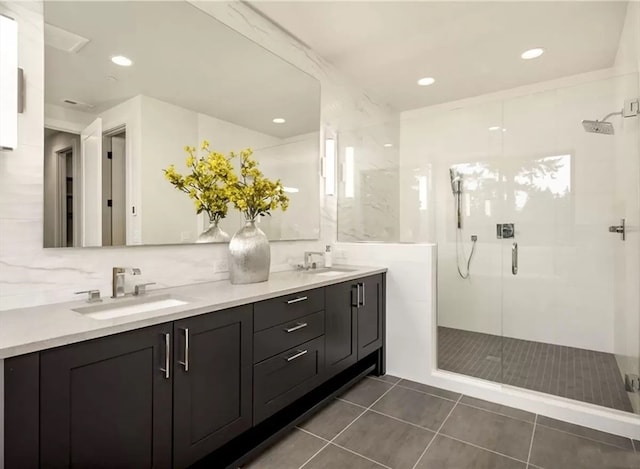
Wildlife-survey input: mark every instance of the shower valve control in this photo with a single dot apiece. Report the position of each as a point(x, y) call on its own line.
point(505, 230)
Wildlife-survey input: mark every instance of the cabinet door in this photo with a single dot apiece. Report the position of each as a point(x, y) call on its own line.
point(340, 327)
point(212, 382)
point(370, 311)
point(107, 402)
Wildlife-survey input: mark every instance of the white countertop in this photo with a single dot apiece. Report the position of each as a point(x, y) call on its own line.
point(27, 330)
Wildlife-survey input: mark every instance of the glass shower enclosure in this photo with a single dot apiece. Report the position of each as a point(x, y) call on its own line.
point(546, 297)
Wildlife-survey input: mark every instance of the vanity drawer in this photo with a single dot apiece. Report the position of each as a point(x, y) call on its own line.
point(283, 309)
point(284, 378)
point(279, 338)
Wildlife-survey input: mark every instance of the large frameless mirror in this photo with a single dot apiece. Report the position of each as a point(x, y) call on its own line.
point(128, 85)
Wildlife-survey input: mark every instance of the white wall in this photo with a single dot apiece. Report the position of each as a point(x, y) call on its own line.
point(168, 215)
point(371, 212)
point(31, 275)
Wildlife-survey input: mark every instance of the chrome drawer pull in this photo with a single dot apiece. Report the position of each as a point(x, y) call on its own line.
point(297, 327)
point(297, 355)
point(297, 300)
point(167, 356)
point(185, 363)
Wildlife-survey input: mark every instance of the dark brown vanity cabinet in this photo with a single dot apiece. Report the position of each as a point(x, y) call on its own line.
point(369, 307)
point(172, 394)
point(130, 399)
point(212, 382)
point(107, 403)
point(341, 327)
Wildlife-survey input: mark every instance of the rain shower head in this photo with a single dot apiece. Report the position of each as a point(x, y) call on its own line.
point(598, 127)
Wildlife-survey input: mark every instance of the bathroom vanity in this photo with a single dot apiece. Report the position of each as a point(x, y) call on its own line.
point(217, 377)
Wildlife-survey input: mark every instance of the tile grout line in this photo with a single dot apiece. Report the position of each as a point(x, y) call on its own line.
point(533, 434)
point(420, 427)
point(437, 432)
point(361, 455)
point(444, 435)
point(345, 428)
point(587, 437)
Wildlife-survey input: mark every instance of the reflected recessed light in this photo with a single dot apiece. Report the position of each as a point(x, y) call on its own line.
point(122, 60)
point(388, 145)
point(279, 120)
point(532, 53)
point(426, 81)
point(495, 127)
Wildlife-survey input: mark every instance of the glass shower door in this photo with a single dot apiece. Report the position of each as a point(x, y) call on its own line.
point(464, 149)
point(570, 286)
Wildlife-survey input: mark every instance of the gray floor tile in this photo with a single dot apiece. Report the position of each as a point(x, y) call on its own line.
point(415, 407)
point(289, 453)
point(366, 392)
point(445, 453)
point(332, 420)
point(554, 449)
point(385, 440)
point(429, 389)
point(603, 437)
point(333, 457)
point(499, 409)
point(491, 431)
point(388, 378)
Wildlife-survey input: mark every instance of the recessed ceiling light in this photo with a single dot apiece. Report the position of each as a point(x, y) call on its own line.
point(426, 81)
point(122, 60)
point(495, 127)
point(532, 53)
point(388, 145)
point(279, 120)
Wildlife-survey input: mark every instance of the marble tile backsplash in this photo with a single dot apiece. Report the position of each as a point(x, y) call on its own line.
point(31, 275)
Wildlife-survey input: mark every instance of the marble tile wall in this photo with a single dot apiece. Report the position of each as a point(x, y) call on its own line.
point(31, 275)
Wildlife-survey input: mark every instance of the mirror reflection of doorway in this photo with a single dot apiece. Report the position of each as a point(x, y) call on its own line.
point(61, 188)
point(84, 183)
point(113, 187)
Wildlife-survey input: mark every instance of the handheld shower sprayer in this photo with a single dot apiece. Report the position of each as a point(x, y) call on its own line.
point(456, 181)
point(456, 189)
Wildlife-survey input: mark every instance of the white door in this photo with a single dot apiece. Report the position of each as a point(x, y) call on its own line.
point(91, 184)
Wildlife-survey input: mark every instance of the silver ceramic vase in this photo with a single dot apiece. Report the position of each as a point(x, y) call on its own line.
point(249, 255)
point(213, 234)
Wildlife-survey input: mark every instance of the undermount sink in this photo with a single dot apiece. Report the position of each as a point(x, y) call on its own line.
point(127, 307)
point(329, 271)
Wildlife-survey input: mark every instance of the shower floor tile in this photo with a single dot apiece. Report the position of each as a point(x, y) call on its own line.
point(579, 374)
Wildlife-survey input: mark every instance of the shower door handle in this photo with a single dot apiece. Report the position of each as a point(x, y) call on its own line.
point(514, 258)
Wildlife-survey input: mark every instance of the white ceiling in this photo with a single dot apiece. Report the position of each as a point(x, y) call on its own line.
point(182, 56)
point(470, 48)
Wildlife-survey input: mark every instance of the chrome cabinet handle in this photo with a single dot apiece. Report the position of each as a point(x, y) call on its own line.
point(297, 355)
point(185, 363)
point(167, 356)
point(297, 327)
point(364, 292)
point(297, 300)
point(359, 285)
point(514, 258)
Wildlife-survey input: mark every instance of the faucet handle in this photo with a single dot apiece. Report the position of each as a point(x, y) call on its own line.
point(94, 295)
point(141, 288)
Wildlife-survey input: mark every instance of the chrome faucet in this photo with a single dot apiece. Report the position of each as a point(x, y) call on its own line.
point(118, 278)
point(308, 257)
